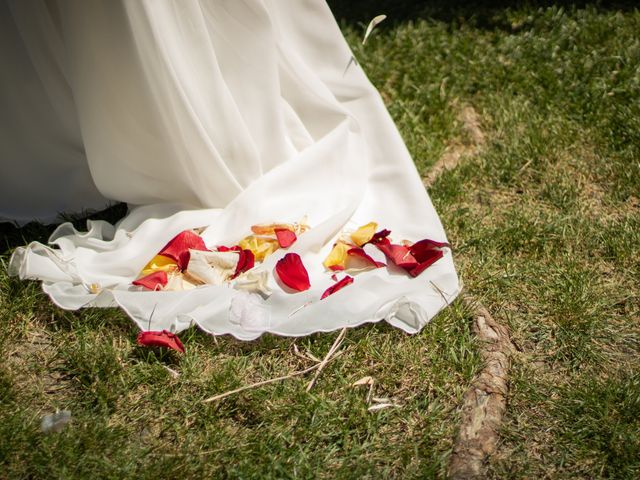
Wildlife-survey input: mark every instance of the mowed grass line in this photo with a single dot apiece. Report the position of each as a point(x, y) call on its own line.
point(545, 226)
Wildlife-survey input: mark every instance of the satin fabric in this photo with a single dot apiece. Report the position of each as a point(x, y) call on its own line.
point(207, 113)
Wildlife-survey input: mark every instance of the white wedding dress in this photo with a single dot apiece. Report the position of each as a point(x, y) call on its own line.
point(205, 113)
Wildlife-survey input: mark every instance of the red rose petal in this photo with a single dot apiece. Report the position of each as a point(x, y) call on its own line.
point(422, 250)
point(292, 273)
point(164, 339)
point(245, 262)
point(235, 248)
point(178, 248)
point(380, 236)
point(360, 253)
point(347, 280)
point(285, 237)
point(398, 254)
point(153, 281)
point(428, 260)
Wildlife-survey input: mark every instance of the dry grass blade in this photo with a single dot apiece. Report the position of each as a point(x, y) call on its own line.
point(325, 360)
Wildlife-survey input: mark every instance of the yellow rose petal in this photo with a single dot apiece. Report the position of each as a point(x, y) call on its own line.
point(261, 247)
point(363, 234)
point(337, 257)
point(159, 263)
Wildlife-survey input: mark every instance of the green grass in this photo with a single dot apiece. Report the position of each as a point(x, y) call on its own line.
point(545, 222)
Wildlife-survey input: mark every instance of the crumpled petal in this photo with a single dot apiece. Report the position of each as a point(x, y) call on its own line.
point(359, 260)
point(153, 281)
point(261, 247)
point(422, 250)
point(250, 311)
point(164, 339)
point(292, 272)
point(285, 237)
point(429, 259)
point(213, 268)
point(337, 258)
point(254, 281)
point(246, 261)
point(363, 234)
point(380, 237)
point(160, 263)
point(178, 248)
point(347, 280)
point(178, 282)
point(399, 255)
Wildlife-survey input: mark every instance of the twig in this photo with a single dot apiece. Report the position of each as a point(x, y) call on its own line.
point(325, 360)
point(267, 382)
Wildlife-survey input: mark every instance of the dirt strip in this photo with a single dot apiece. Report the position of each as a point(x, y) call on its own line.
point(484, 402)
point(456, 151)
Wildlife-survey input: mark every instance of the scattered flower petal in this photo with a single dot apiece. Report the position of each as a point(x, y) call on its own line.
point(213, 268)
point(254, 281)
point(164, 339)
point(160, 263)
point(380, 236)
point(246, 261)
point(285, 237)
point(422, 250)
point(337, 258)
point(347, 280)
point(178, 248)
point(428, 259)
point(181, 281)
point(292, 273)
point(222, 248)
point(270, 228)
point(153, 281)
point(359, 260)
point(364, 234)
point(261, 247)
point(399, 255)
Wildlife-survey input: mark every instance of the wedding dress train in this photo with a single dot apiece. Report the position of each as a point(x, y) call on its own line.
point(210, 116)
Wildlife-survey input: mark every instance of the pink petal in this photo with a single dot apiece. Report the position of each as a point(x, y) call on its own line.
point(347, 280)
point(153, 281)
point(178, 248)
point(285, 237)
point(292, 273)
point(164, 339)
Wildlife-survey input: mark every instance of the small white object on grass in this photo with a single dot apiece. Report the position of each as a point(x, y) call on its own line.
point(372, 24)
point(55, 422)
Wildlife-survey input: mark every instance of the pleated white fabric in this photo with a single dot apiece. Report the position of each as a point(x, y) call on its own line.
point(206, 113)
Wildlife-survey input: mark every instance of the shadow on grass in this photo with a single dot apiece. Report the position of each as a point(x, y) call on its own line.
point(486, 14)
point(12, 236)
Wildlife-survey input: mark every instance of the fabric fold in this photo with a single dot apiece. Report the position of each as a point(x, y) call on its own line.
point(215, 116)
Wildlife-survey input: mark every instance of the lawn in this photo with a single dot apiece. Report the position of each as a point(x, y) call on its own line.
point(545, 224)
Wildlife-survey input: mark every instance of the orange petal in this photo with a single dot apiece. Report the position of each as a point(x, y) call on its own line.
point(270, 228)
point(363, 234)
